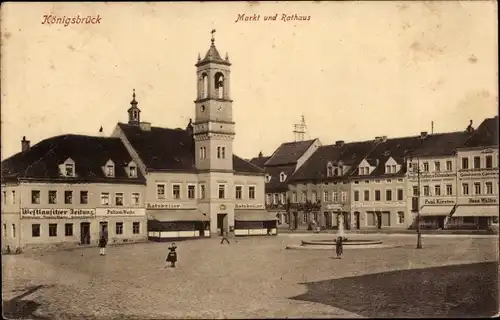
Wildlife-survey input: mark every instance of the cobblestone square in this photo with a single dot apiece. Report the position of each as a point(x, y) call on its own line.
point(251, 277)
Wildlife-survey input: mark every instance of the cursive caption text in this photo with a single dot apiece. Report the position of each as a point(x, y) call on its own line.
point(66, 21)
point(276, 17)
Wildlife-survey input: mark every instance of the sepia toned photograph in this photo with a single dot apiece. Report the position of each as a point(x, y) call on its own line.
point(249, 160)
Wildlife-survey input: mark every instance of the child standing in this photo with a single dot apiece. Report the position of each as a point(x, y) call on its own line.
point(172, 255)
point(339, 247)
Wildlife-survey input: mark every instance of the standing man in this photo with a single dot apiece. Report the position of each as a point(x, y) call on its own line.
point(224, 237)
point(102, 245)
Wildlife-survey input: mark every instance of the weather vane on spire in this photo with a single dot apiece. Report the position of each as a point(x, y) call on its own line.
point(133, 94)
point(212, 32)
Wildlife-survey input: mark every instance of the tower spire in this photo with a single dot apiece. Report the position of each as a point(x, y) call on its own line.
point(213, 39)
point(133, 102)
point(133, 111)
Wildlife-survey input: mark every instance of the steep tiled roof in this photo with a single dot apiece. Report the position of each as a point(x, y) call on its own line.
point(275, 185)
point(396, 148)
point(315, 168)
point(441, 144)
point(171, 149)
point(89, 153)
point(259, 161)
point(485, 135)
point(289, 153)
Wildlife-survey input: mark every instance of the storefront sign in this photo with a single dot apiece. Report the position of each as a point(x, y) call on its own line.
point(28, 213)
point(160, 205)
point(435, 175)
point(249, 206)
point(439, 201)
point(333, 206)
point(363, 204)
point(109, 212)
point(479, 200)
point(478, 173)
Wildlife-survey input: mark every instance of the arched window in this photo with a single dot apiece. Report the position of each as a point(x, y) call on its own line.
point(219, 85)
point(204, 93)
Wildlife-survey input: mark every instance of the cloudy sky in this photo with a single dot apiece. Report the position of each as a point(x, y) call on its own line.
point(355, 70)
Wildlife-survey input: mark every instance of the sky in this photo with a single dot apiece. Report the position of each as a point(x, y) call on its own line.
point(354, 70)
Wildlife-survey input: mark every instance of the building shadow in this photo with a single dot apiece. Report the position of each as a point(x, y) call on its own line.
point(16, 308)
point(462, 291)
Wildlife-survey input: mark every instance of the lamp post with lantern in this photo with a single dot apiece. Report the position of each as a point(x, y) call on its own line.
point(416, 200)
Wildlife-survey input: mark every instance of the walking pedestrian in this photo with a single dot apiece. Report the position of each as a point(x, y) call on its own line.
point(172, 255)
point(339, 246)
point(102, 245)
point(224, 237)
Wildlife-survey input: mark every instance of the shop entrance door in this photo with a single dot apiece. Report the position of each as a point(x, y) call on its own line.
point(103, 229)
point(221, 222)
point(85, 233)
point(356, 220)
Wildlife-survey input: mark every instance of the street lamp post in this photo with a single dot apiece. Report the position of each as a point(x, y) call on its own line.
point(419, 235)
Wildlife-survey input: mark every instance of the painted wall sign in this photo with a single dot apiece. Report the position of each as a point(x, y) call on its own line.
point(30, 213)
point(333, 206)
point(478, 173)
point(109, 212)
point(160, 205)
point(435, 175)
point(438, 201)
point(363, 204)
point(478, 200)
point(249, 206)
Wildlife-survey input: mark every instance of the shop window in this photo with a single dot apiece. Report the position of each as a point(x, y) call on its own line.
point(68, 229)
point(35, 230)
point(494, 220)
point(68, 197)
point(35, 197)
point(52, 197)
point(469, 220)
point(52, 230)
point(119, 228)
point(84, 197)
point(401, 217)
point(136, 227)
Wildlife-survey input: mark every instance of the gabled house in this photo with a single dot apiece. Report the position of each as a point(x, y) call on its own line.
point(62, 191)
point(320, 190)
point(279, 167)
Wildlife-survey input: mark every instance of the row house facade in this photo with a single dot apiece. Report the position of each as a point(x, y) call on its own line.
point(478, 179)
point(72, 189)
point(432, 178)
point(279, 167)
point(379, 185)
point(320, 191)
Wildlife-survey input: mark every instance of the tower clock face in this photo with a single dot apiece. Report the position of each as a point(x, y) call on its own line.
point(202, 108)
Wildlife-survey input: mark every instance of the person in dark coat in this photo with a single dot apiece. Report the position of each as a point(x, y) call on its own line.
point(102, 245)
point(224, 237)
point(172, 255)
point(339, 246)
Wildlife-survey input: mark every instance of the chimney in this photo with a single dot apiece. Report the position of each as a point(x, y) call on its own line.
point(145, 126)
point(384, 138)
point(101, 132)
point(260, 154)
point(25, 144)
point(339, 143)
point(423, 134)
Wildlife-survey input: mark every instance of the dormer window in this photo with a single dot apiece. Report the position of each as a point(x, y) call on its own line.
point(329, 170)
point(282, 176)
point(267, 178)
point(109, 169)
point(132, 170)
point(69, 169)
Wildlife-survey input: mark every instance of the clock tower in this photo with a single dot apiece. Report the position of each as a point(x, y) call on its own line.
point(213, 127)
